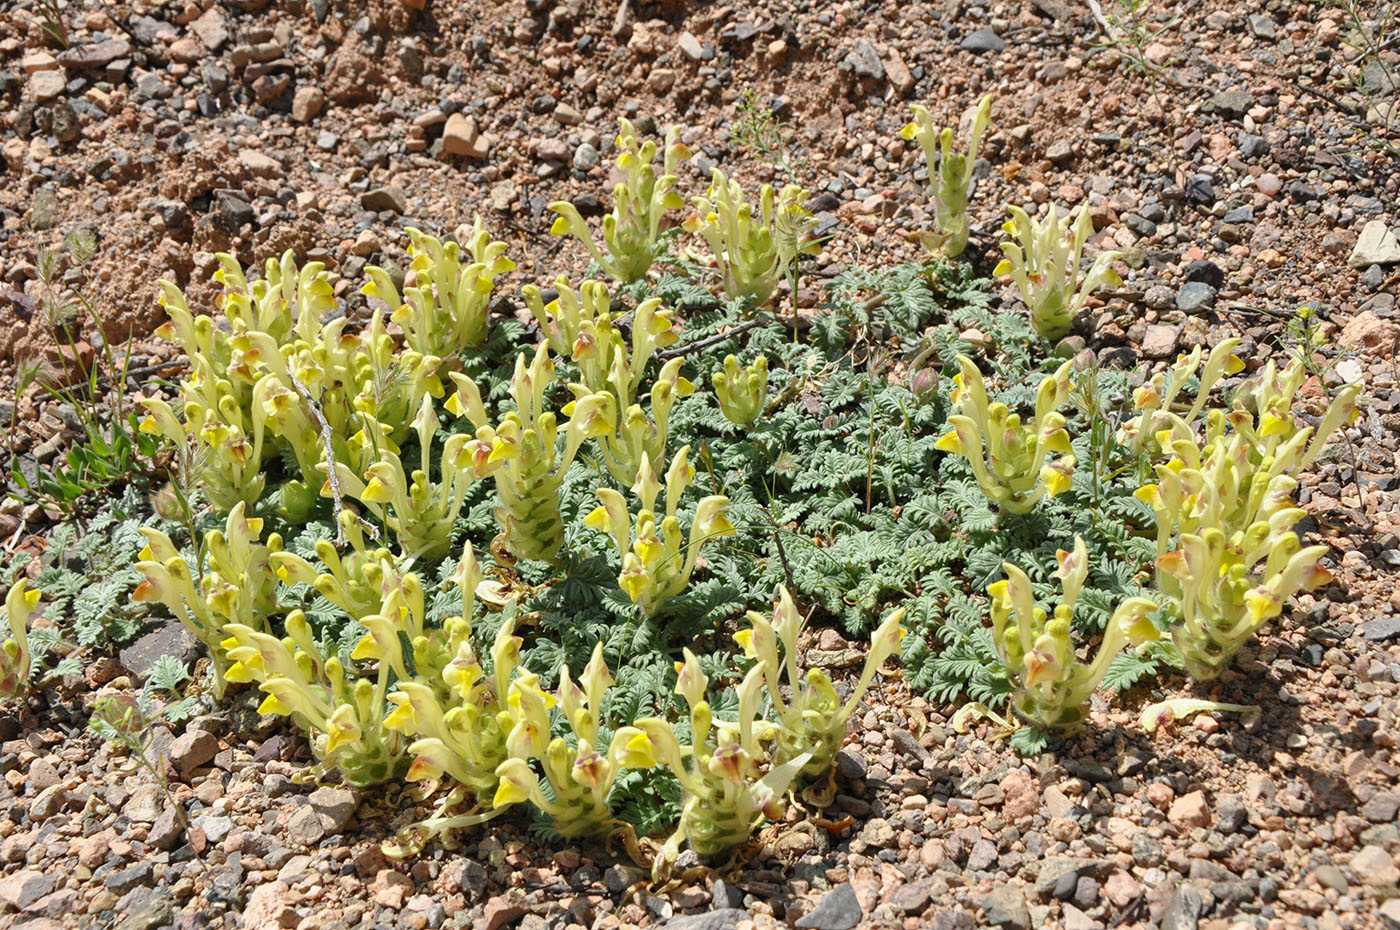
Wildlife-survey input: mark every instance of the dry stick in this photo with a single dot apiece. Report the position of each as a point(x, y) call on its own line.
point(332, 478)
point(709, 340)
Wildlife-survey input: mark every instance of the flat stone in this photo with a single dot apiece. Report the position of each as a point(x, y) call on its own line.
point(1190, 810)
point(307, 103)
point(1184, 909)
point(690, 46)
point(1329, 876)
point(1006, 907)
point(391, 197)
point(1382, 808)
point(192, 750)
point(1379, 631)
point(1374, 866)
point(461, 137)
point(94, 55)
point(1160, 341)
point(863, 60)
point(1232, 104)
point(21, 889)
point(46, 85)
point(155, 911)
point(898, 72)
point(304, 827)
point(260, 165)
point(724, 918)
point(838, 910)
point(211, 28)
point(1263, 26)
point(1375, 246)
point(1053, 871)
point(1390, 913)
point(335, 806)
point(982, 40)
point(1193, 296)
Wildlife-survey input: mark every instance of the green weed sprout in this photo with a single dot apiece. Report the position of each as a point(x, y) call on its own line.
point(631, 232)
point(949, 182)
point(742, 392)
point(1008, 457)
point(1052, 685)
point(1043, 260)
point(755, 249)
point(727, 792)
point(657, 560)
point(14, 651)
point(812, 718)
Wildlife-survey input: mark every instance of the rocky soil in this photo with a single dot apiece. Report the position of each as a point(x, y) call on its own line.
point(1240, 173)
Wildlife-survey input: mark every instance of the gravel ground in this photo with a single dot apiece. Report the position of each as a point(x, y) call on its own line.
point(1240, 177)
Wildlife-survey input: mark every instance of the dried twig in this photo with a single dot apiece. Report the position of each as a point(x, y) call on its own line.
point(708, 341)
point(332, 478)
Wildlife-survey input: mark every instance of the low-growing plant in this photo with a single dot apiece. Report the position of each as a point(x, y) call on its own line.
point(812, 718)
point(14, 651)
point(754, 248)
point(238, 587)
point(657, 558)
point(727, 792)
point(742, 392)
point(951, 178)
point(632, 231)
point(445, 310)
point(1052, 685)
point(1007, 457)
point(1043, 259)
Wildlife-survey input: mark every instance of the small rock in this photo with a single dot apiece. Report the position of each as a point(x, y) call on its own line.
point(46, 85)
point(1184, 909)
point(863, 60)
point(1263, 26)
point(144, 805)
point(304, 827)
point(1375, 246)
point(1382, 808)
point(552, 150)
point(1190, 810)
point(335, 806)
point(260, 165)
point(391, 197)
point(898, 72)
point(1006, 907)
point(23, 888)
point(269, 909)
point(1232, 104)
point(1375, 866)
point(1160, 341)
point(690, 46)
point(461, 137)
point(212, 28)
point(982, 40)
point(585, 157)
point(1390, 913)
point(151, 86)
point(390, 888)
point(1329, 876)
point(1194, 296)
point(838, 910)
point(307, 103)
point(191, 750)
